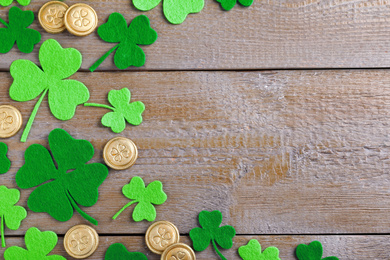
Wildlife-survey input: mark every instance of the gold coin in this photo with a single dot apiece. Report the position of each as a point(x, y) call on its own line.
point(51, 16)
point(81, 19)
point(178, 251)
point(81, 241)
point(120, 153)
point(10, 121)
point(161, 235)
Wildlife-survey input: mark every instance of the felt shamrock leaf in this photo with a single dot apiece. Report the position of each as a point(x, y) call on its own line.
point(8, 2)
point(9, 213)
point(211, 232)
point(229, 4)
point(145, 197)
point(118, 251)
point(122, 109)
point(72, 181)
point(175, 11)
point(128, 53)
point(5, 163)
point(17, 30)
point(252, 251)
point(39, 245)
point(63, 95)
point(313, 251)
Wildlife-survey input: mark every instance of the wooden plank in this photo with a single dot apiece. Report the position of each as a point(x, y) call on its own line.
point(269, 34)
point(280, 152)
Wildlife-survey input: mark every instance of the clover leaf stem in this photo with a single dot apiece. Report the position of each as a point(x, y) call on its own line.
point(98, 105)
point(216, 250)
point(3, 22)
point(82, 213)
point(122, 209)
point(27, 129)
point(99, 61)
point(2, 231)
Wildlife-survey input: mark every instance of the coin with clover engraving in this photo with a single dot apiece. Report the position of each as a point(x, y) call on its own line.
point(51, 16)
point(81, 19)
point(10, 121)
point(120, 153)
point(178, 251)
point(161, 235)
point(81, 241)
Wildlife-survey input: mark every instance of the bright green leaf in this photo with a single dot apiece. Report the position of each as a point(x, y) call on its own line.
point(5, 163)
point(313, 251)
point(252, 251)
point(118, 251)
point(229, 4)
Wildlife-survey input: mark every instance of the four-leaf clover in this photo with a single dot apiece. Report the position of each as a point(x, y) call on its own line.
point(122, 109)
point(313, 251)
point(18, 32)
point(39, 245)
point(145, 197)
point(118, 251)
point(211, 232)
point(5, 163)
point(229, 4)
point(128, 53)
point(9, 213)
point(63, 95)
point(72, 181)
point(252, 251)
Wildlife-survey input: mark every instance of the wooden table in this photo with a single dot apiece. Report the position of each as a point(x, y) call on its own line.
point(277, 115)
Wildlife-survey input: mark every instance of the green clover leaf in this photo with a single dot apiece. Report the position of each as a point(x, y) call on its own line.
point(10, 214)
point(229, 4)
point(145, 197)
point(128, 53)
point(8, 2)
point(122, 109)
point(118, 251)
point(5, 163)
point(313, 251)
point(175, 11)
point(63, 95)
point(17, 31)
point(39, 245)
point(72, 181)
point(211, 232)
point(252, 251)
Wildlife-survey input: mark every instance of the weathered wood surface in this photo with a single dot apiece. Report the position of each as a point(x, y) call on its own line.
point(269, 34)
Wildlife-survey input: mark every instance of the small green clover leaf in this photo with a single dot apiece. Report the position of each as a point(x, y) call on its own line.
point(118, 251)
point(63, 95)
point(313, 251)
point(122, 109)
point(175, 11)
point(72, 181)
point(39, 245)
point(17, 31)
point(229, 4)
point(8, 2)
point(211, 232)
point(252, 251)
point(9, 213)
point(145, 197)
point(128, 53)
point(5, 163)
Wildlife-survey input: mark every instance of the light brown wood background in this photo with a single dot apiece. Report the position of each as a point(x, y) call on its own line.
point(277, 115)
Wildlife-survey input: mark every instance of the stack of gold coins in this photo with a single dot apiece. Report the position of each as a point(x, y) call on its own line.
point(10, 121)
point(81, 241)
point(120, 153)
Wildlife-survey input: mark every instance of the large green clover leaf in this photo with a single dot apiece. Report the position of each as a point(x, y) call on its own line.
point(5, 163)
point(39, 245)
point(118, 251)
point(71, 182)
point(313, 251)
point(8, 2)
point(229, 4)
point(145, 197)
point(63, 95)
point(10, 214)
point(175, 11)
point(17, 31)
point(252, 251)
point(212, 232)
point(128, 53)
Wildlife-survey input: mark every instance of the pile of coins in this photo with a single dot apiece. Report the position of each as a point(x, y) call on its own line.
point(79, 19)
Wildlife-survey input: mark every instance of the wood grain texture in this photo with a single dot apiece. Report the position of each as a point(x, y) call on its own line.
point(269, 34)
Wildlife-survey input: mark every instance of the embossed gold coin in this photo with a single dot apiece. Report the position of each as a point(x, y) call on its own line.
point(120, 153)
point(161, 235)
point(178, 251)
point(81, 241)
point(10, 121)
point(81, 19)
point(51, 16)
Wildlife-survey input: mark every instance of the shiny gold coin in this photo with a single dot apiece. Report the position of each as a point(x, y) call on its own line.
point(81, 19)
point(81, 241)
point(178, 251)
point(10, 121)
point(161, 235)
point(51, 16)
point(120, 153)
